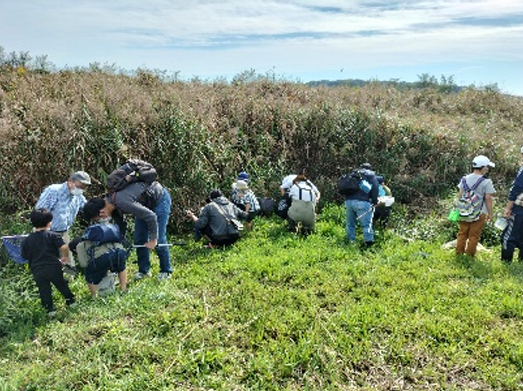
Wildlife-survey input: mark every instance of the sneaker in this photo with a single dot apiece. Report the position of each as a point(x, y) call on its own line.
point(164, 276)
point(141, 276)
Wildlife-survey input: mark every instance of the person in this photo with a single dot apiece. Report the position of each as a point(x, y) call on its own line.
point(46, 253)
point(245, 199)
point(64, 201)
point(381, 211)
point(360, 206)
point(282, 208)
point(470, 231)
point(150, 205)
point(513, 238)
point(304, 195)
point(101, 245)
point(214, 222)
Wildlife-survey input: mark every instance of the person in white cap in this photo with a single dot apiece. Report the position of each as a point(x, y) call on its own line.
point(64, 201)
point(513, 238)
point(470, 229)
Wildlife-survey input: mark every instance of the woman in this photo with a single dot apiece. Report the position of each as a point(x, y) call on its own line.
point(304, 195)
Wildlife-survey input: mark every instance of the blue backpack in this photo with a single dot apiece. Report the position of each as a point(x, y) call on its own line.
point(103, 233)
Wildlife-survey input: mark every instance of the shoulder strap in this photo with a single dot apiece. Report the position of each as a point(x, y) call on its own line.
point(477, 183)
point(220, 210)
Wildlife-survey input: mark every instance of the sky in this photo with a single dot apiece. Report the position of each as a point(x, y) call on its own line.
point(476, 42)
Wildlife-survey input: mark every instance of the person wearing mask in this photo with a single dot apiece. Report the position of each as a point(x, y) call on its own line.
point(64, 201)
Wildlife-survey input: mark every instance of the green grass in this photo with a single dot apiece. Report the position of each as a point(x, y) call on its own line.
point(280, 312)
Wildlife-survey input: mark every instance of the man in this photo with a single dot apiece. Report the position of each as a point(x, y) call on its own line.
point(360, 205)
point(514, 237)
point(64, 201)
point(470, 231)
point(150, 206)
point(215, 218)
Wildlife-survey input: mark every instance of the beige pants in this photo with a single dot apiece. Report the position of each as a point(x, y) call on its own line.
point(65, 236)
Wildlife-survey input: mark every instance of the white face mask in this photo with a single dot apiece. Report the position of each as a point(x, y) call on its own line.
point(103, 220)
point(77, 192)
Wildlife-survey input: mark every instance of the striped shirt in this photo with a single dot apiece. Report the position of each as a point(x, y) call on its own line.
point(62, 204)
point(240, 197)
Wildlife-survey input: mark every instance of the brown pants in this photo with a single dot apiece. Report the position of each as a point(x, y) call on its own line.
point(468, 236)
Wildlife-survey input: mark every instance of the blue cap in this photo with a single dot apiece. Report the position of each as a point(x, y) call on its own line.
point(243, 176)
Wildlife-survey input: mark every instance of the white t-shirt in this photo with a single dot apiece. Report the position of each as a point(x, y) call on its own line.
point(304, 190)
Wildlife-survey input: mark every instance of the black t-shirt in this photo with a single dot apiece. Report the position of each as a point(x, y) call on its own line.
point(42, 249)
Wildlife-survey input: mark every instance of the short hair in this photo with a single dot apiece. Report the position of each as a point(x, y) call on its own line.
point(93, 207)
point(40, 217)
point(215, 194)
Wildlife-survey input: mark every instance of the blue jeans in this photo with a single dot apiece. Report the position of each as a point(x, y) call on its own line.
point(361, 211)
point(141, 236)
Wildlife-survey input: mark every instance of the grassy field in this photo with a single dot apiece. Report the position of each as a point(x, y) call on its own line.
point(281, 312)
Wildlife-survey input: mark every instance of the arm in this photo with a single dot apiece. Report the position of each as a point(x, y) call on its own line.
point(64, 254)
point(488, 202)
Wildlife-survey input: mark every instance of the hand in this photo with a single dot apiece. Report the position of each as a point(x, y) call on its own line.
point(507, 212)
point(151, 244)
point(64, 260)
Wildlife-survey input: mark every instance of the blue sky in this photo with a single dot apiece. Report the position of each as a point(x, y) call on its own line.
point(476, 42)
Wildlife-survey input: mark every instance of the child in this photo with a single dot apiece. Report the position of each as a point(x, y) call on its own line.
point(245, 199)
point(47, 252)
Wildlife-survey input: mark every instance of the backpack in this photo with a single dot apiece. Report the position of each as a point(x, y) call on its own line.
point(103, 233)
point(133, 170)
point(349, 184)
point(470, 204)
point(267, 206)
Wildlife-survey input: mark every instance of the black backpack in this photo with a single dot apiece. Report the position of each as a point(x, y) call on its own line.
point(133, 170)
point(349, 184)
point(267, 206)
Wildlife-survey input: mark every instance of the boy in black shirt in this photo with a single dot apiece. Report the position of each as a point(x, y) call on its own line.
point(47, 253)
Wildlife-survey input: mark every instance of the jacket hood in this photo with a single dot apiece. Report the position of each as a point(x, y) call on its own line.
point(221, 200)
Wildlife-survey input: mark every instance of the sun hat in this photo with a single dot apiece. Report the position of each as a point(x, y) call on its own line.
point(82, 177)
point(241, 185)
point(482, 161)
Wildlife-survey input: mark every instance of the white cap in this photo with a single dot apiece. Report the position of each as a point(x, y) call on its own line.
point(286, 183)
point(482, 161)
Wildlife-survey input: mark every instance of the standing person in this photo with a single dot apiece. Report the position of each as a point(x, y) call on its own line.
point(513, 238)
point(64, 201)
point(214, 222)
point(304, 195)
point(150, 204)
point(470, 231)
point(245, 199)
point(360, 205)
point(46, 253)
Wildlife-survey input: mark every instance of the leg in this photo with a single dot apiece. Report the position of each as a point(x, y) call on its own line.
point(350, 227)
point(463, 235)
point(44, 289)
point(141, 236)
point(511, 238)
point(163, 210)
point(365, 213)
point(57, 278)
point(475, 229)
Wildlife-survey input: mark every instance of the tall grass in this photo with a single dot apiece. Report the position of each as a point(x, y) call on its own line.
point(200, 135)
point(277, 311)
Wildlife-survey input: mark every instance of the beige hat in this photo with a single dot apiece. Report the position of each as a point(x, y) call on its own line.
point(241, 185)
point(82, 177)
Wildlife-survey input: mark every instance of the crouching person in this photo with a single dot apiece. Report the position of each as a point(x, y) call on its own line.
point(100, 250)
point(218, 221)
